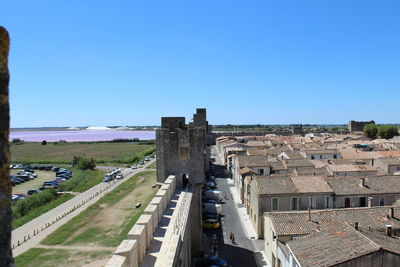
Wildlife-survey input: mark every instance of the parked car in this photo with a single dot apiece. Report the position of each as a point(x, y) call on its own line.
point(55, 169)
point(211, 224)
point(63, 176)
point(216, 261)
point(107, 179)
point(32, 191)
point(210, 184)
point(208, 188)
point(210, 200)
point(214, 216)
point(134, 166)
point(50, 184)
point(210, 207)
point(119, 176)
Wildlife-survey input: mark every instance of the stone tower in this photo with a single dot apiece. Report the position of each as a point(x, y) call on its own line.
point(182, 151)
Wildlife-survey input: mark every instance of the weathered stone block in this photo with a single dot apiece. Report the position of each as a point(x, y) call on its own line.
point(138, 233)
point(128, 249)
point(164, 196)
point(117, 261)
point(158, 202)
point(153, 210)
point(147, 221)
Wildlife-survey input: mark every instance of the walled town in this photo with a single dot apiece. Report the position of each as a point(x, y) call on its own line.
point(319, 199)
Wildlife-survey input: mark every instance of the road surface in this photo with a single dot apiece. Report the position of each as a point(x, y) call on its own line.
point(246, 250)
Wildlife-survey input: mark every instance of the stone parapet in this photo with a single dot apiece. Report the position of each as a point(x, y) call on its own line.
point(117, 261)
point(157, 201)
point(147, 221)
point(138, 233)
point(153, 210)
point(128, 249)
point(164, 196)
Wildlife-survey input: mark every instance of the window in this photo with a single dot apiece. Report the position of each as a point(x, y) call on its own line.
point(294, 203)
point(398, 169)
point(261, 171)
point(363, 201)
point(347, 202)
point(312, 157)
point(335, 156)
point(312, 202)
point(275, 204)
point(320, 156)
point(382, 201)
point(327, 202)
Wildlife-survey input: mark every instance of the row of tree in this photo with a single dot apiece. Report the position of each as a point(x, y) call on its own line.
point(374, 131)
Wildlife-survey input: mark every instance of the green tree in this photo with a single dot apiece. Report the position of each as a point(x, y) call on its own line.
point(44, 142)
point(84, 163)
point(387, 131)
point(371, 130)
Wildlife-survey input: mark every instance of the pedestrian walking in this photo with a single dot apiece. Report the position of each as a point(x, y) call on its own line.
point(230, 237)
point(233, 238)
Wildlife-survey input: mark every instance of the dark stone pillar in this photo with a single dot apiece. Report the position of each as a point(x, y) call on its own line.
point(6, 258)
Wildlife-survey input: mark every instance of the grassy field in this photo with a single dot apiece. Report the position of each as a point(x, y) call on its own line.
point(107, 222)
point(153, 165)
point(101, 227)
point(53, 153)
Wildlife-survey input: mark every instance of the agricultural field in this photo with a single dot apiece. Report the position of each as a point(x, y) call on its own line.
point(98, 230)
point(63, 152)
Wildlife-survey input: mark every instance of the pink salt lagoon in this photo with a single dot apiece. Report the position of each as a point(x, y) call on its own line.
point(81, 135)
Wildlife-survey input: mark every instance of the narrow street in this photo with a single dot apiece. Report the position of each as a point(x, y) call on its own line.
point(244, 251)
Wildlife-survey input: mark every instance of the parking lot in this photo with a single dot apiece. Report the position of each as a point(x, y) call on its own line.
point(32, 184)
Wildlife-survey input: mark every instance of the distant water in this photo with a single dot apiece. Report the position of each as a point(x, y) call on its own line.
point(82, 135)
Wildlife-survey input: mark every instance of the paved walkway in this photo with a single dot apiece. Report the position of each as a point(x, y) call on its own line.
point(31, 233)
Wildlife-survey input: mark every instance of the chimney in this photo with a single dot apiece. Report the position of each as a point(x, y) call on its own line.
point(391, 212)
point(370, 202)
point(356, 225)
point(388, 230)
point(362, 182)
point(309, 215)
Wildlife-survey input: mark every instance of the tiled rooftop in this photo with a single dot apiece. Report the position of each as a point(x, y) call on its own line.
point(298, 223)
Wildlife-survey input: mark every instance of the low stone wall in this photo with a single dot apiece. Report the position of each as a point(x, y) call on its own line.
point(131, 251)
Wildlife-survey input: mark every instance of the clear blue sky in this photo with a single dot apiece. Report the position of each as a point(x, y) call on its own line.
point(76, 63)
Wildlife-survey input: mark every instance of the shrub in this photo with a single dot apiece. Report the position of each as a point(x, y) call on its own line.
point(44, 142)
point(83, 163)
point(371, 130)
point(24, 206)
point(387, 131)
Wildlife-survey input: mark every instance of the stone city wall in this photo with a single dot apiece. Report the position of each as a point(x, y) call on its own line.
point(131, 251)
